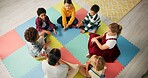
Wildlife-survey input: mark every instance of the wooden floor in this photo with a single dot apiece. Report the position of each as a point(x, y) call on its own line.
point(135, 27)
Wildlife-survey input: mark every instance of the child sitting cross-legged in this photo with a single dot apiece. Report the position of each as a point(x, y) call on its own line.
point(36, 44)
point(43, 23)
point(91, 22)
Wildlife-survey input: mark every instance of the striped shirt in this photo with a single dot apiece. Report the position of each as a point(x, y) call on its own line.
point(92, 21)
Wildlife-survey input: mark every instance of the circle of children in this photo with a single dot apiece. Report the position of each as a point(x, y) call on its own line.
point(101, 48)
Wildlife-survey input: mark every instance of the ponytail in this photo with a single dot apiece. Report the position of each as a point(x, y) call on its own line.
point(119, 30)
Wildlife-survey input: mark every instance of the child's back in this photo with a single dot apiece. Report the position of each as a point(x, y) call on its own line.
point(36, 44)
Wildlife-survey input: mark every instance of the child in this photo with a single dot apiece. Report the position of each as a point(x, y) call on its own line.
point(54, 67)
point(91, 22)
point(68, 18)
point(105, 46)
point(94, 67)
point(36, 44)
point(43, 24)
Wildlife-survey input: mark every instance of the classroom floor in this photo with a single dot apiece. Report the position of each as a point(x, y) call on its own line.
point(16, 16)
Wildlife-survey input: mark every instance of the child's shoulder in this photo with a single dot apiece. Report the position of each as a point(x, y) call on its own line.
point(38, 19)
point(63, 8)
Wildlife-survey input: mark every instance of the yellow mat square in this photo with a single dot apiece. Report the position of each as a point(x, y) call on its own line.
point(78, 75)
point(102, 29)
point(54, 42)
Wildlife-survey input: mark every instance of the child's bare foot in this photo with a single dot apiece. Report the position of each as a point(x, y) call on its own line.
point(82, 31)
point(78, 25)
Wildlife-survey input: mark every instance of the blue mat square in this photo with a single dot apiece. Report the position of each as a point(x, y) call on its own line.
point(127, 49)
point(68, 35)
point(21, 29)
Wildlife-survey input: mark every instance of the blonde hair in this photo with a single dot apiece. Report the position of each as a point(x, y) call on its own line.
point(114, 27)
point(101, 63)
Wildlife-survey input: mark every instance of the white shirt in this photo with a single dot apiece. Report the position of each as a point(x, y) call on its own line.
point(110, 43)
point(44, 24)
point(59, 71)
point(34, 51)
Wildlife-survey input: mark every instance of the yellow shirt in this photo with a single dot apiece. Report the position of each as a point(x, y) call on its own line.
point(68, 13)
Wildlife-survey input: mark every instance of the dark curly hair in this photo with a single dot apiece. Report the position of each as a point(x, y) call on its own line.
point(41, 10)
point(95, 8)
point(31, 34)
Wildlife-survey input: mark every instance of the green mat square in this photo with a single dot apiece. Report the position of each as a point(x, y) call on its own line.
point(20, 62)
point(78, 47)
point(53, 15)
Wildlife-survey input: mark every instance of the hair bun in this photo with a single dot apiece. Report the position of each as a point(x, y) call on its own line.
point(120, 27)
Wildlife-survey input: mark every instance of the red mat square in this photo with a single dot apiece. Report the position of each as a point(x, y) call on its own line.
point(9, 43)
point(113, 69)
point(80, 14)
point(67, 56)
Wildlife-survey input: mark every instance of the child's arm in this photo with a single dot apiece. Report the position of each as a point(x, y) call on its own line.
point(63, 11)
point(63, 62)
point(80, 24)
point(38, 23)
point(102, 47)
point(87, 65)
point(49, 22)
point(43, 32)
point(99, 37)
point(72, 16)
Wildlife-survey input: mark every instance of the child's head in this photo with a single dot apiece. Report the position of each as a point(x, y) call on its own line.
point(94, 9)
point(100, 63)
point(54, 56)
point(31, 34)
point(67, 4)
point(115, 28)
point(41, 13)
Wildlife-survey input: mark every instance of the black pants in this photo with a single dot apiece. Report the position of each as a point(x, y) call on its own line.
point(75, 22)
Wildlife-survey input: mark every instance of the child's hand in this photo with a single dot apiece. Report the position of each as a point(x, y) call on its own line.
point(67, 26)
point(93, 39)
point(80, 24)
point(64, 29)
point(55, 32)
